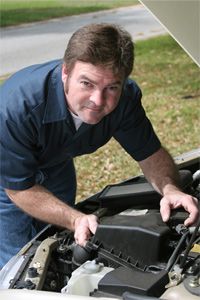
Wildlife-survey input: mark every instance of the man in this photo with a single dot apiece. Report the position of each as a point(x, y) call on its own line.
point(55, 111)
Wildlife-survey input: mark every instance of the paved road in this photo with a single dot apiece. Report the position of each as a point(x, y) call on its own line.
point(39, 42)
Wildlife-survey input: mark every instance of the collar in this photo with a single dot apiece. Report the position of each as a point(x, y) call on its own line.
point(56, 108)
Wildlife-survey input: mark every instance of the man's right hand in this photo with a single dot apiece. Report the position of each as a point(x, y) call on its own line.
point(85, 225)
point(43, 205)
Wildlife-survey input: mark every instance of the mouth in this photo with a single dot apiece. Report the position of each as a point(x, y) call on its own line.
point(98, 110)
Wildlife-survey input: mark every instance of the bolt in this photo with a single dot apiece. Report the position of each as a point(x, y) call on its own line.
point(53, 284)
point(37, 265)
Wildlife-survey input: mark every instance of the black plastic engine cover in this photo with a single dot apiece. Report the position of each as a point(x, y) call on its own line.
point(142, 238)
point(124, 279)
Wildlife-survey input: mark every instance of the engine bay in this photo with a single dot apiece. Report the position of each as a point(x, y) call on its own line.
point(133, 253)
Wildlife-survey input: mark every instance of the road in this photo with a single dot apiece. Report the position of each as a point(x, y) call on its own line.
point(42, 41)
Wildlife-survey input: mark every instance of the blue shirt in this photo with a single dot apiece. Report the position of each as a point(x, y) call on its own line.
point(37, 130)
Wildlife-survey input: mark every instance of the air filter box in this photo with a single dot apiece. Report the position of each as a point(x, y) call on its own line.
point(143, 238)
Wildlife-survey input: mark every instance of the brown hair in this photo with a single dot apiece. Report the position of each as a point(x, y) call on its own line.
point(101, 44)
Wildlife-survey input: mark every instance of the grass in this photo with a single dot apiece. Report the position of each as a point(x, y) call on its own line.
point(170, 83)
point(15, 12)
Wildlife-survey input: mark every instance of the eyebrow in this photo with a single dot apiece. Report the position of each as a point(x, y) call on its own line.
point(84, 77)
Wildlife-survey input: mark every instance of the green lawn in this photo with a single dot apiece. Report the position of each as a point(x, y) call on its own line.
point(14, 12)
point(170, 83)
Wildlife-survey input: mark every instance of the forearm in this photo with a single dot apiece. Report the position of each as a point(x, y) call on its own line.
point(161, 172)
point(42, 204)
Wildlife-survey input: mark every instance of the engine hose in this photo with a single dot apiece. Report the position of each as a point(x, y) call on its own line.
point(174, 255)
point(189, 246)
point(131, 296)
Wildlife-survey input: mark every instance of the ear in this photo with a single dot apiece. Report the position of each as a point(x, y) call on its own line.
point(64, 73)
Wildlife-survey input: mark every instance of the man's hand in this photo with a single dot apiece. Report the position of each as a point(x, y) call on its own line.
point(162, 173)
point(176, 199)
point(84, 226)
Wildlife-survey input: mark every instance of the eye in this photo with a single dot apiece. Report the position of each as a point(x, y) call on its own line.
point(113, 88)
point(86, 84)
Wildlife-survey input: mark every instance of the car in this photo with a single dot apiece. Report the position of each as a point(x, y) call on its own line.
point(132, 255)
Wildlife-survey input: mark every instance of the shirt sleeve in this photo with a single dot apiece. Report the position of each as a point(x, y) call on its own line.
point(17, 154)
point(135, 133)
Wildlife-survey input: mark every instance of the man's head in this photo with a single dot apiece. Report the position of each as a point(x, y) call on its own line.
point(101, 44)
point(97, 60)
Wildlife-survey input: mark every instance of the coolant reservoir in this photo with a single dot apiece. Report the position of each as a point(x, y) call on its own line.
point(85, 279)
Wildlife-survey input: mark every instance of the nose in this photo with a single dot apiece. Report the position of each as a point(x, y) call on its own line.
point(97, 97)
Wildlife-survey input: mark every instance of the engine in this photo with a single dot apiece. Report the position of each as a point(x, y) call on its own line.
point(133, 253)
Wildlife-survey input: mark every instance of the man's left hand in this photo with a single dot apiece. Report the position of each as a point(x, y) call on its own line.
point(176, 199)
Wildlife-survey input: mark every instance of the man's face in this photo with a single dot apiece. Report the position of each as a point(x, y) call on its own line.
point(92, 92)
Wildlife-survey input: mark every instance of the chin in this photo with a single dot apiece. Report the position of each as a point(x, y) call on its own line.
point(92, 121)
